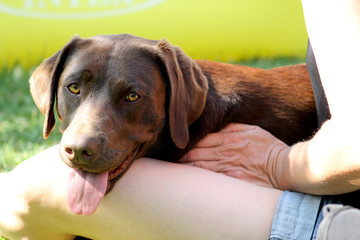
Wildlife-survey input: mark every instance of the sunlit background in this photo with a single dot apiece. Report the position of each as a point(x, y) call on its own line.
point(227, 30)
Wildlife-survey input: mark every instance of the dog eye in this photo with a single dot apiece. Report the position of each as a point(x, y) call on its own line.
point(74, 88)
point(132, 97)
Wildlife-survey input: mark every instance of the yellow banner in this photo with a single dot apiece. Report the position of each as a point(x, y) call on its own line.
point(228, 30)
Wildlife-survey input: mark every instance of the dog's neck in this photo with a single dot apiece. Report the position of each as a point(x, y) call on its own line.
point(219, 111)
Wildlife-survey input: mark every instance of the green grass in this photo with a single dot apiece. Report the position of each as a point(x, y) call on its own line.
point(21, 122)
point(272, 63)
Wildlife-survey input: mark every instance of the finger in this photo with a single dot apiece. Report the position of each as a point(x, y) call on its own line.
point(238, 127)
point(217, 138)
point(211, 140)
point(200, 154)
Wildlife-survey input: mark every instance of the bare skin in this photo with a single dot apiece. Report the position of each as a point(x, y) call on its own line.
point(153, 200)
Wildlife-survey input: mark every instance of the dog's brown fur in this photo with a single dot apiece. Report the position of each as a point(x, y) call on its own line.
point(181, 100)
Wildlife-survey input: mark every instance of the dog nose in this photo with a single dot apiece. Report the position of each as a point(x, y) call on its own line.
point(81, 149)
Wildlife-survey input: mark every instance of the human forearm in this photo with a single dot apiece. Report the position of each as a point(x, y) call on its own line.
point(327, 164)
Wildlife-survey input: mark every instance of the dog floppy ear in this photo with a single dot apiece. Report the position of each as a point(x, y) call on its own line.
point(188, 91)
point(44, 83)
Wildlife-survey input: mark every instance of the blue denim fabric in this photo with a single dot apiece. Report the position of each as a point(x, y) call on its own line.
point(296, 217)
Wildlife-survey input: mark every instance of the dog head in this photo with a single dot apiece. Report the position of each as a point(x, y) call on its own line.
point(114, 94)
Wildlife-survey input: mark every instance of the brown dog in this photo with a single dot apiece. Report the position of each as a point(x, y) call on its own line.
point(121, 97)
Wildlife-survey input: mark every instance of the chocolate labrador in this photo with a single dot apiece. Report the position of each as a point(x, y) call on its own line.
point(121, 97)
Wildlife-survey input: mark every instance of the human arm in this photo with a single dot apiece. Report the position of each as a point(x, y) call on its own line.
point(330, 162)
point(152, 200)
point(333, 155)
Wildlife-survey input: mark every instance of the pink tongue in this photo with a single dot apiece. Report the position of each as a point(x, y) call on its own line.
point(85, 191)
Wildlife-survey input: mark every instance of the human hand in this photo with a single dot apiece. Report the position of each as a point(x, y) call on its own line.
point(242, 151)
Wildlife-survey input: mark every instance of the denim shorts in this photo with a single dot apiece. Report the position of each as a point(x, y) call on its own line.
point(298, 216)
